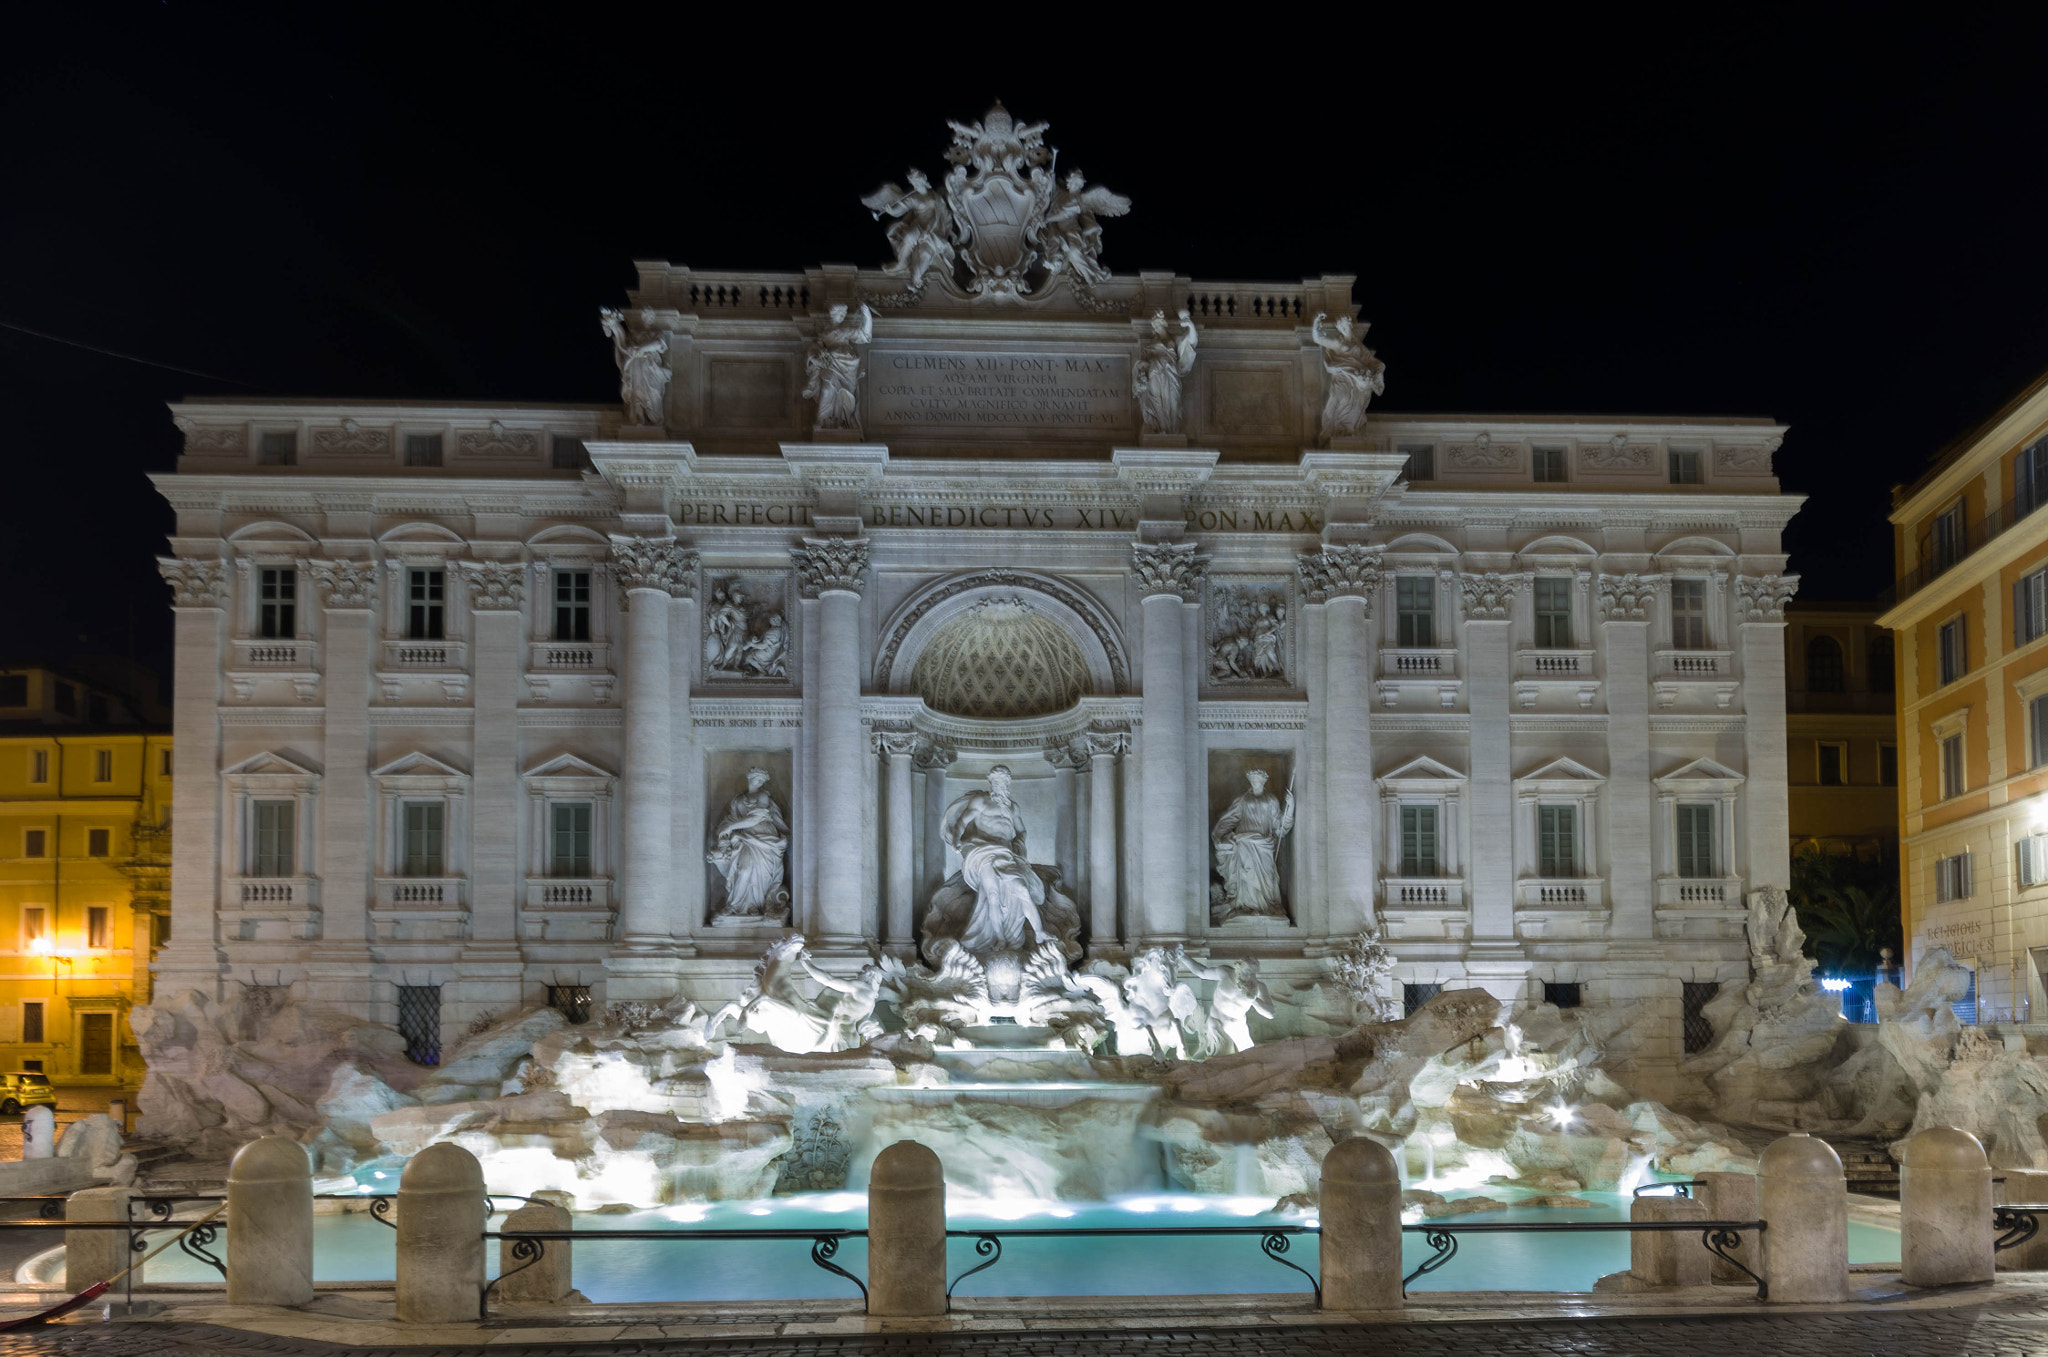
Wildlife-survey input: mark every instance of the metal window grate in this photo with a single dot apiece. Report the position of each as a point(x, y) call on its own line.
point(1414, 996)
point(1562, 993)
point(571, 1001)
point(1699, 1033)
point(419, 1022)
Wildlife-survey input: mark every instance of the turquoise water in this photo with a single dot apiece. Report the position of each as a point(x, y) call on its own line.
point(357, 1248)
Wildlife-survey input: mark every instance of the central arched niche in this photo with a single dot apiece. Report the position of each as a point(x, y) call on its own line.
point(1001, 659)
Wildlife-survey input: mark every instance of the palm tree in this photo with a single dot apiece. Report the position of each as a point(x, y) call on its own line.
point(1849, 910)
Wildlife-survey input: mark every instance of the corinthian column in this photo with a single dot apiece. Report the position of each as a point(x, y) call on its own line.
point(1344, 578)
point(1760, 623)
point(1166, 575)
point(643, 962)
point(191, 960)
point(830, 570)
point(899, 871)
point(1103, 748)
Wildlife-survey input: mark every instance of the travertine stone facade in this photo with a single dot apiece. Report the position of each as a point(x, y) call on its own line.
point(1465, 680)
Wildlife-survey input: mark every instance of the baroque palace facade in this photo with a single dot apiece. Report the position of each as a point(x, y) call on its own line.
point(479, 707)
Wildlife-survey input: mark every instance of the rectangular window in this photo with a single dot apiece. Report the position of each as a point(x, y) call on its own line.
point(1834, 763)
point(32, 1022)
point(2037, 731)
point(1952, 878)
point(1696, 842)
point(1414, 995)
point(164, 762)
point(1688, 614)
point(278, 449)
point(1548, 464)
point(1955, 658)
point(1945, 541)
point(420, 839)
point(2030, 476)
point(1563, 993)
point(1421, 463)
point(38, 765)
point(571, 1001)
point(1951, 766)
point(1697, 994)
point(426, 617)
point(65, 699)
point(1557, 841)
point(1553, 613)
point(423, 449)
point(13, 690)
point(102, 765)
point(572, 605)
point(2030, 608)
point(35, 843)
point(2033, 859)
point(1966, 1007)
point(1419, 841)
point(1887, 765)
point(273, 838)
point(1684, 464)
point(99, 931)
point(1415, 610)
point(568, 454)
point(419, 1022)
point(35, 926)
point(97, 842)
point(277, 600)
point(569, 854)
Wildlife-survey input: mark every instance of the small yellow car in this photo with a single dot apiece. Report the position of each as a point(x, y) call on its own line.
point(24, 1088)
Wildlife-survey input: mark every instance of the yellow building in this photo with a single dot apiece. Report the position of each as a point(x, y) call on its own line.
point(85, 798)
point(1970, 612)
point(1841, 734)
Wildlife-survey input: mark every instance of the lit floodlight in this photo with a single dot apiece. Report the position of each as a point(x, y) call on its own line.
point(1834, 986)
point(40, 946)
point(1561, 1116)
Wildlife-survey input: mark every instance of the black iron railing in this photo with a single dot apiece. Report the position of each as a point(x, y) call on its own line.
point(1273, 1242)
point(2015, 1224)
point(1718, 1236)
point(529, 1246)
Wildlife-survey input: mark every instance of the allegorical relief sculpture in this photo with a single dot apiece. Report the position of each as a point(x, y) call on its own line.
point(1004, 225)
point(1353, 374)
point(643, 367)
point(1247, 841)
point(743, 637)
point(749, 849)
point(1163, 361)
point(1245, 632)
point(832, 371)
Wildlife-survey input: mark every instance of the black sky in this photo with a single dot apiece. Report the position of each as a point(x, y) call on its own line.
point(1844, 226)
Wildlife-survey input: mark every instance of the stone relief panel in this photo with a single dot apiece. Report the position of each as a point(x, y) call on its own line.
point(747, 837)
point(749, 393)
point(1251, 818)
point(747, 625)
point(1250, 402)
point(1249, 632)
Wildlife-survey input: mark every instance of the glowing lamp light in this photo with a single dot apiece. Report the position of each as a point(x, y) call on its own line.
point(40, 946)
point(1561, 1116)
point(1833, 986)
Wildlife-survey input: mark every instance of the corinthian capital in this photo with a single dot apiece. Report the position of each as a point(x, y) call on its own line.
point(826, 563)
point(654, 563)
point(930, 754)
point(1627, 598)
point(195, 584)
point(1167, 568)
point(900, 742)
point(1762, 598)
point(494, 587)
point(1490, 595)
point(343, 584)
point(1339, 571)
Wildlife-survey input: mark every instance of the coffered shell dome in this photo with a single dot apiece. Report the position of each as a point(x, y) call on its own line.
point(1001, 659)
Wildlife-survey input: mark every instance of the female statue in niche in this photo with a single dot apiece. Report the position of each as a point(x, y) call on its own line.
point(748, 849)
point(987, 830)
point(1247, 840)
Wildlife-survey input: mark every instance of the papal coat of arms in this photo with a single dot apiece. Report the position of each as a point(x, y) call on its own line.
point(1004, 224)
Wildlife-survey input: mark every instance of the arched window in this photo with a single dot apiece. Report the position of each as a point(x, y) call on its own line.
point(1823, 665)
point(1881, 664)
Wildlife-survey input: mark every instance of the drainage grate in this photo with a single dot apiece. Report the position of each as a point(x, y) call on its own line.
point(419, 1022)
point(571, 1001)
point(1414, 995)
point(1699, 1033)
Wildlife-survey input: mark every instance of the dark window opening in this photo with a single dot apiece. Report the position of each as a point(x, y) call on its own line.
point(1699, 1033)
point(1414, 995)
point(419, 1022)
point(1562, 993)
point(571, 1001)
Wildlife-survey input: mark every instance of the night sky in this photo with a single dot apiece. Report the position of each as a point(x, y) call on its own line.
point(1846, 230)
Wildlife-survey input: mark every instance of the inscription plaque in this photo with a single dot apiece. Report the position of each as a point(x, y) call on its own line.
point(999, 393)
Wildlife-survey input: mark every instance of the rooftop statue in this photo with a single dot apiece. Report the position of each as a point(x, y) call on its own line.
point(833, 368)
point(643, 369)
point(1163, 360)
point(1355, 375)
point(1070, 237)
point(922, 234)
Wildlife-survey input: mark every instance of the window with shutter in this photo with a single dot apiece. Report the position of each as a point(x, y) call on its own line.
point(2030, 476)
point(420, 847)
point(1415, 609)
point(571, 849)
point(1557, 841)
point(1553, 613)
point(1954, 657)
point(1419, 841)
point(1696, 841)
point(271, 849)
point(1951, 767)
point(1688, 614)
point(2030, 608)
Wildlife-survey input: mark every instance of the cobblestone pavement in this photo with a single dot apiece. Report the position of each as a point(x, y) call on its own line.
point(2005, 1329)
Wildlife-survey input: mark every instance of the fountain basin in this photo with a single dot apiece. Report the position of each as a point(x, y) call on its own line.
point(1047, 1141)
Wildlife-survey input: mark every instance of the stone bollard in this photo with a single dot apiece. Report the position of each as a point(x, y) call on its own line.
point(270, 1224)
point(907, 1232)
point(39, 1133)
point(95, 1255)
point(441, 1217)
point(1803, 1201)
point(1945, 1232)
point(546, 1281)
point(1360, 1208)
point(1663, 1258)
point(2025, 1187)
point(1732, 1196)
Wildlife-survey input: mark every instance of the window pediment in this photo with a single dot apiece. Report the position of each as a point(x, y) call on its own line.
point(1700, 775)
point(269, 764)
point(1564, 770)
point(1423, 774)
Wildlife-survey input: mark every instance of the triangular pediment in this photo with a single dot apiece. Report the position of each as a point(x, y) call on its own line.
point(270, 764)
point(1423, 768)
point(567, 765)
point(1562, 770)
point(417, 764)
point(1700, 770)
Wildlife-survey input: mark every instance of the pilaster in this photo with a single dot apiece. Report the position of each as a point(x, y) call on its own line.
point(338, 973)
point(1624, 606)
point(1344, 579)
point(1495, 952)
point(1165, 576)
point(1760, 624)
point(896, 748)
point(192, 958)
